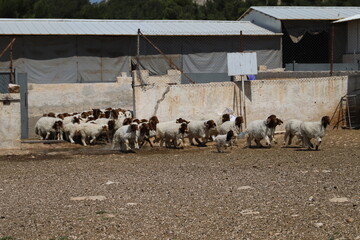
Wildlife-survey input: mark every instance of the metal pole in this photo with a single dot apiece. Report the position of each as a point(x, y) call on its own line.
point(7, 47)
point(11, 65)
point(137, 74)
point(241, 42)
point(171, 63)
point(243, 100)
point(243, 84)
point(332, 51)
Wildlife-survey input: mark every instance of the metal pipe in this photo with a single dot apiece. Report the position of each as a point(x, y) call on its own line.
point(242, 83)
point(167, 58)
point(11, 65)
point(241, 42)
point(137, 72)
point(243, 100)
point(7, 47)
point(332, 51)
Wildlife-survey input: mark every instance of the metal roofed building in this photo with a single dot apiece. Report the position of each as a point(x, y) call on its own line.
point(306, 30)
point(72, 50)
point(352, 24)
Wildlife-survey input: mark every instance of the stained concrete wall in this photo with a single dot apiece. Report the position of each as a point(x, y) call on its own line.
point(10, 127)
point(307, 99)
point(190, 101)
point(77, 97)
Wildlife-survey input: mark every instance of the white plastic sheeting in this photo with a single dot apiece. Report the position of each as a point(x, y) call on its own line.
point(70, 59)
point(205, 63)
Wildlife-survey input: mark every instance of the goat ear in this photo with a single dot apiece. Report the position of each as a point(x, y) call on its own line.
point(268, 120)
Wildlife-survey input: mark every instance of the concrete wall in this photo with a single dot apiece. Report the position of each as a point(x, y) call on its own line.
point(306, 99)
point(167, 99)
point(77, 97)
point(10, 127)
point(191, 101)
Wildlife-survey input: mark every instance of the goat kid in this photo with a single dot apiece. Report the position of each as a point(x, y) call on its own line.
point(224, 140)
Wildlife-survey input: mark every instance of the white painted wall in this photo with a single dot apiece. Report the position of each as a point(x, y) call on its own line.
point(77, 97)
point(10, 127)
point(305, 99)
point(190, 101)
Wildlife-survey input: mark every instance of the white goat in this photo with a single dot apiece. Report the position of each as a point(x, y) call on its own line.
point(166, 130)
point(72, 128)
point(315, 130)
point(219, 120)
point(235, 126)
point(128, 114)
point(262, 129)
point(125, 136)
point(174, 135)
point(224, 140)
point(200, 129)
point(46, 126)
point(292, 128)
point(91, 130)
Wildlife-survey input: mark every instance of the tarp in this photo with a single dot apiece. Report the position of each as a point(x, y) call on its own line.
point(74, 59)
point(68, 59)
point(158, 64)
point(217, 62)
point(297, 29)
point(205, 63)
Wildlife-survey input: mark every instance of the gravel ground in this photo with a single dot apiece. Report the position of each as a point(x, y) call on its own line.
point(63, 191)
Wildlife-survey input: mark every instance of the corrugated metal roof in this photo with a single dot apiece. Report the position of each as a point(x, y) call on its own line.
point(127, 27)
point(352, 18)
point(305, 12)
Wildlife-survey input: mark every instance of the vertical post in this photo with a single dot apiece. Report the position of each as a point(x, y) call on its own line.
point(241, 42)
point(242, 84)
point(293, 65)
point(243, 100)
point(332, 50)
point(11, 65)
point(137, 71)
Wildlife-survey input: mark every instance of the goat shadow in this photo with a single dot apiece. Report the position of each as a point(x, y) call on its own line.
point(295, 147)
point(306, 150)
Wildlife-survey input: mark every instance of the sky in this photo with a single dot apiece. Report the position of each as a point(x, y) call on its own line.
point(94, 1)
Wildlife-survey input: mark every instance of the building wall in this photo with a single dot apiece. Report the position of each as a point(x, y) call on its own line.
point(353, 37)
point(10, 127)
point(306, 99)
point(264, 21)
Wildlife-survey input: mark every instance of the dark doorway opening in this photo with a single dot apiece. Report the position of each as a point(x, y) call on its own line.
point(312, 48)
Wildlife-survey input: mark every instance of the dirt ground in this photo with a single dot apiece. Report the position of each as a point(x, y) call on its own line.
point(64, 191)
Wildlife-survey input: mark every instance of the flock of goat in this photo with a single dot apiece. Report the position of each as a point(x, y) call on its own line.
point(119, 127)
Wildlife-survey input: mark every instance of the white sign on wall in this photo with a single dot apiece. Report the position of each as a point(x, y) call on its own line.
point(241, 63)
